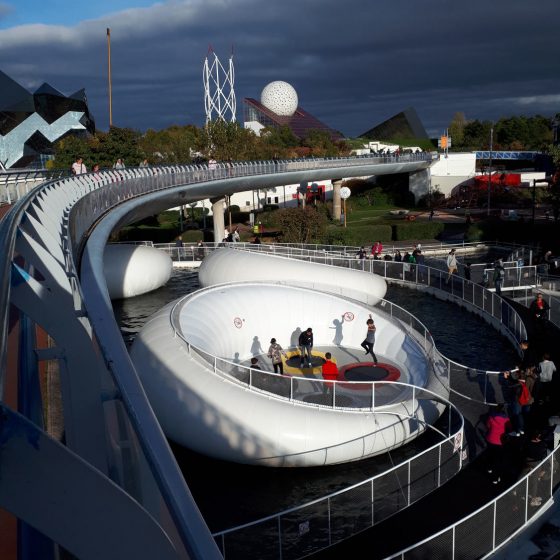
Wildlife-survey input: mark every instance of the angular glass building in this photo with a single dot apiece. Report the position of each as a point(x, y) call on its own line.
point(30, 123)
point(405, 124)
point(257, 116)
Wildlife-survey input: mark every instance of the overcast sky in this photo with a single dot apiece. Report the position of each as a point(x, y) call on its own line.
point(354, 63)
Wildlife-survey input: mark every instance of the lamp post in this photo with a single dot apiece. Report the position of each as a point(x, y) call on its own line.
point(490, 167)
point(534, 199)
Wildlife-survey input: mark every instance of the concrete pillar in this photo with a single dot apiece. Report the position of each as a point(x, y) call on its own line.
point(337, 202)
point(218, 207)
point(419, 183)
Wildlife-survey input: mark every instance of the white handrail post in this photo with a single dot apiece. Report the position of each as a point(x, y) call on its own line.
point(329, 519)
point(279, 538)
point(526, 499)
point(552, 473)
point(494, 527)
point(453, 543)
point(408, 485)
point(291, 387)
point(372, 498)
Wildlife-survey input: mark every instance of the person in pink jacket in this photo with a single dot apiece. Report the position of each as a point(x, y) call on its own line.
point(497, 426)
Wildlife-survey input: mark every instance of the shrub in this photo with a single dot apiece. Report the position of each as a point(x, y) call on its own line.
point(474, 233)
point(416, 230)
point(270, 207)
point(240, 217)
point(192, 235)
point(169, 216)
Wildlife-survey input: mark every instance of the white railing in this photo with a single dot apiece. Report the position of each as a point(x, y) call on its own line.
point(526, 296)
point(497, 522)
point(318, 524)
point(105, 410)
point(474, 384)
point(366, 395)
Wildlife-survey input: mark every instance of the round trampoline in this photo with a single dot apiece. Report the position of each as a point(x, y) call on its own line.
point(369, 371)
point(295, 361)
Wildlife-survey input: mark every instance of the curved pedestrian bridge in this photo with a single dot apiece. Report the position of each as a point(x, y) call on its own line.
point(57, 316)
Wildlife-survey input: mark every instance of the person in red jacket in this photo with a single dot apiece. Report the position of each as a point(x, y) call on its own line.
point(497, 425)
point(330, 372)
point(376, 250)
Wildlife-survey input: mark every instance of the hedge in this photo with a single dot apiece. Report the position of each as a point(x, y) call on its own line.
point(416, 230)
point(358, 235)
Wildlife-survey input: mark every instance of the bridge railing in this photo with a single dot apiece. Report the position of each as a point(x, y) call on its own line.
point(526, 296)
point(478, 385)
point(14, 184)
point(472, 383)
point(111, 436)
point(317, 524)
point(498, 521)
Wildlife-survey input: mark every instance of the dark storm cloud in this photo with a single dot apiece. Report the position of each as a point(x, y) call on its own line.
point(353, 64)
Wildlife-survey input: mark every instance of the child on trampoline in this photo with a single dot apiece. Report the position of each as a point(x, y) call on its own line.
point(369, 341)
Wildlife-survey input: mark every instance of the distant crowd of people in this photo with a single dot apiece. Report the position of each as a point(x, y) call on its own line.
point(519, 430)
point(80, 168)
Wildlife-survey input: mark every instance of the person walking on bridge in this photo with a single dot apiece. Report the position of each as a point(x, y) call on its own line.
point(499, 275)
point(451, 265)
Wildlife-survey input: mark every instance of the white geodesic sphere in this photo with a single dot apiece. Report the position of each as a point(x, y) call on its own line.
point(280, 98)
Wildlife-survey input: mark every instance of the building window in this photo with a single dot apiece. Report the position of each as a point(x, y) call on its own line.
point(247, 203)
point(268, 200)
point(275, 200)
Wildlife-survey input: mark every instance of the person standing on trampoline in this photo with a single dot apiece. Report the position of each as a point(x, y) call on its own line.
point(369, 341)
point(275, 352)
point(306, 345)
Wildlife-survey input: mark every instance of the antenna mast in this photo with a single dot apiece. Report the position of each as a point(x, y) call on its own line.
point(219, 95)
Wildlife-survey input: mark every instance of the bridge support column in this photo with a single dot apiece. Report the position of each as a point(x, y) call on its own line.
point(336, 183)
point(419, 183)
point(218, 207)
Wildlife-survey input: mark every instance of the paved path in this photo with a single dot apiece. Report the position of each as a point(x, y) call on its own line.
point(465, 493)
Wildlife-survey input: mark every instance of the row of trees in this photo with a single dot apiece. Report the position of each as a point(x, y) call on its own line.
point(510, 133)
point(230, 141)
point(183, 144)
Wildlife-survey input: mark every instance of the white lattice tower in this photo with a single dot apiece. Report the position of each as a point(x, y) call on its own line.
point(219, 95)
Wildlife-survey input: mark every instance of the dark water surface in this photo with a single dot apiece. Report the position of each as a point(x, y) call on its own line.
point(229, 494)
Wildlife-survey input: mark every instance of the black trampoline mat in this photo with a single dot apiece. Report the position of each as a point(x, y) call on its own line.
point(365, 373)
point(295, 361)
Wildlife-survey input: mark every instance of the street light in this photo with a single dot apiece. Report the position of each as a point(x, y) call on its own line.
point(490, 167)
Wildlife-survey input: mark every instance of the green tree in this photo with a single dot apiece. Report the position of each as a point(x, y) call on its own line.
point(477, 135)
point(457, 129)
point(321, 143)
point(226, 141)
point(301, 225)
point(117, 143)
point(175, 144)
point(67, 149)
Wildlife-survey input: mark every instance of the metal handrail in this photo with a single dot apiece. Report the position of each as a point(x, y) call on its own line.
point(252, 374)
point(394, 271)
point(76, 204)
point(515, 328)
point(453, 438)
point(518, 490)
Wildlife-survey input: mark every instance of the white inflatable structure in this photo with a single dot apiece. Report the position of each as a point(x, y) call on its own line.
point(190, 358)
point(225, 265)
point(132, 270)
